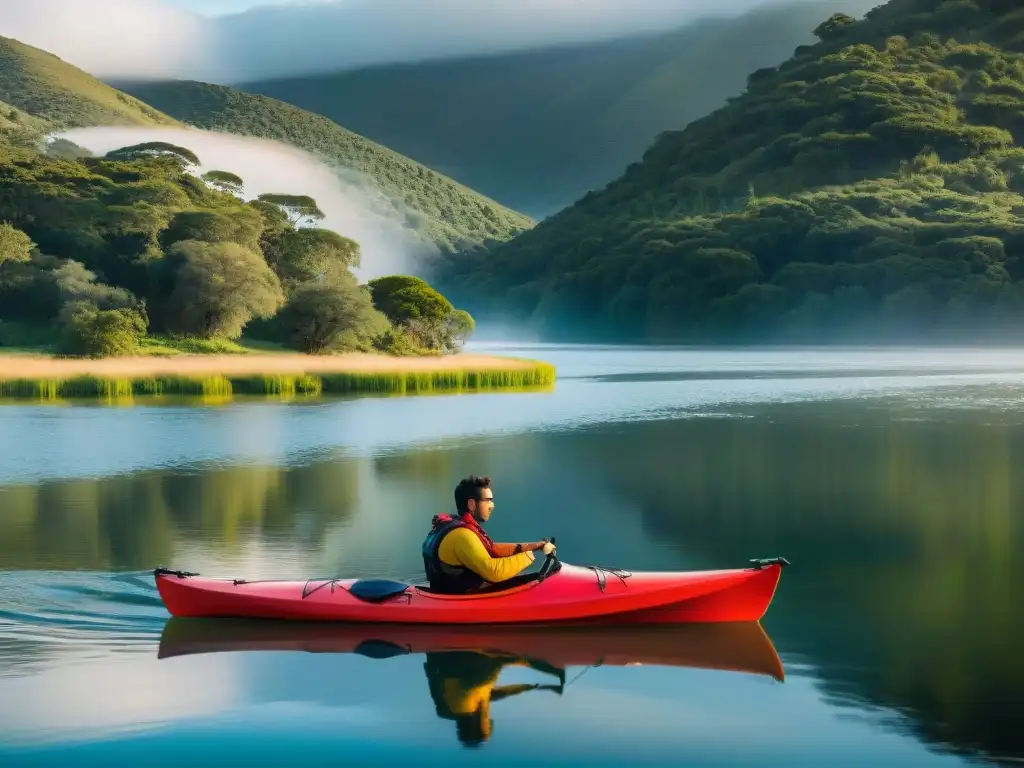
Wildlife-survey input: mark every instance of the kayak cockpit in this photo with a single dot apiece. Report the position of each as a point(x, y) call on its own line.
point(379, 590)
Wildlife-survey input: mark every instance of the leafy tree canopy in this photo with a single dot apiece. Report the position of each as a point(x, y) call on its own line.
point(15, 245)
point(156, 148)
point(224, 181)
point(403, 298)
point(217, 288)
point(298, 208)
point(334, 315)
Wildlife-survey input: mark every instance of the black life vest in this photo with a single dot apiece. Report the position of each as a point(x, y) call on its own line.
point(450, 579)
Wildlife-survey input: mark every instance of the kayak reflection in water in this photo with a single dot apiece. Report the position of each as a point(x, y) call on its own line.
point(463, 664)
point(459, 556)
point(462, 685)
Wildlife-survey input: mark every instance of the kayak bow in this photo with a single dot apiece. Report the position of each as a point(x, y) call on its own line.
point(558, 593)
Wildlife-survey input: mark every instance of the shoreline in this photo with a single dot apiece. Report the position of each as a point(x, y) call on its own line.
point(26, 366)
point(40, 377)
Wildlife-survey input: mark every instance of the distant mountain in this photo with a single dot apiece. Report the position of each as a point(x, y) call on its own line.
point(537, 129)
point(453, 215)
point(869, 188)
point(43, 86)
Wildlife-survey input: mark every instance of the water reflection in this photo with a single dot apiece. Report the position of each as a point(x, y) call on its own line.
point(902, 519)
point(905, 530)
point(129, 522)
point(463, 665)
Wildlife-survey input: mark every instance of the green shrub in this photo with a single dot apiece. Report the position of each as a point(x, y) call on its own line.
point(92, 332)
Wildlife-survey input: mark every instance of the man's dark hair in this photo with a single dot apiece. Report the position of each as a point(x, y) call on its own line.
point(469, 730)
point(469, 488)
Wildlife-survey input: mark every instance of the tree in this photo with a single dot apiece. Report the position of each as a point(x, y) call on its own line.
point(403, 299)
point(298, 255)
point(298, 208)
point(156, 192)
point(225, 181)
point(326, 316)
point(457, 327)
point(15, 245)
point(833, 26)
point(420, 312)
point(242, 225)
point(275, 220)
point(89, 330)
point(67, 149)
point(979, 251)
point(445, 336)
point(216, 288)
point(75, 283)
point(149, 148)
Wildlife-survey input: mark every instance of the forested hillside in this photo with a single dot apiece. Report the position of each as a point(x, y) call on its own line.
point(868, 188)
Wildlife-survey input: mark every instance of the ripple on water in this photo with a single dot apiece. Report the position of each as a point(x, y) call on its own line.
point(50, 618)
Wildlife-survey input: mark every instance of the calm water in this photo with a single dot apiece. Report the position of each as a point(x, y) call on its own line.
point(888, 478)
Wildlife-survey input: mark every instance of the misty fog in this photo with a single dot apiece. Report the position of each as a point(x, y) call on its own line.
point(140, 38)
point(353, 207)
point(155, 38)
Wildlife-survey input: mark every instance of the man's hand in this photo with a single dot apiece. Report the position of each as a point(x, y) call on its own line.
point(548, 548)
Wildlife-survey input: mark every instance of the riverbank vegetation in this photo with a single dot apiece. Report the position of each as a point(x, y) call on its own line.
point(264, 373)
point(144, 272)
point(539, 376)
point(97, 253)
point(871, 188)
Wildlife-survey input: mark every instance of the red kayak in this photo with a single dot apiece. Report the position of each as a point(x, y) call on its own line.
point(558, 593)
point(743, 647)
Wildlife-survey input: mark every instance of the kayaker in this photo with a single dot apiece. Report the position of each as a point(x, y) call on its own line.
point(460, 557)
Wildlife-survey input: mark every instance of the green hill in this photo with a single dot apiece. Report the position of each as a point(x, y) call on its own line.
point(42, 85)
point(537, 129)
point(868, 188)
point(450, 214)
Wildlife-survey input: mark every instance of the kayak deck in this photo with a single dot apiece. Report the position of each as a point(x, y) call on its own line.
point(567, 594)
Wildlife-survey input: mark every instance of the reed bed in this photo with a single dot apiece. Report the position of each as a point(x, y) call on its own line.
point(520, 377)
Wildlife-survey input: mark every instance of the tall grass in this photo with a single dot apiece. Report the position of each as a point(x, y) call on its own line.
point(537, 376)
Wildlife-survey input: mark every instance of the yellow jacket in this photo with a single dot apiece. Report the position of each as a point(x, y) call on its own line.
point(463, 547)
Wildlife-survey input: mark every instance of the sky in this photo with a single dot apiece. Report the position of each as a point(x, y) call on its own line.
point(169, 39)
